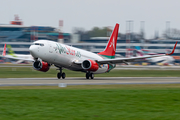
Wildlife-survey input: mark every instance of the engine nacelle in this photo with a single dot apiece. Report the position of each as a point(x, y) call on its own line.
point(90, 65)
point(41, 66)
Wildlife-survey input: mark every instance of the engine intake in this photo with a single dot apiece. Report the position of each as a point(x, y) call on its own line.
point(90, 65)
point(41, 66)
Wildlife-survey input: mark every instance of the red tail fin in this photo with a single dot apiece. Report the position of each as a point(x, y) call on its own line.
point(4, 51)
point(173, 49)
point(110, 49)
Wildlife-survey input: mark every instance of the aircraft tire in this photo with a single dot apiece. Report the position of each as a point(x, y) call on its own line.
point(87, 75)
point(59, 75)
point(92, 75)
point(63, 75)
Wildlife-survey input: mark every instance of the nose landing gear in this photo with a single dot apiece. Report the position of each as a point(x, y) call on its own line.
point(60, 74)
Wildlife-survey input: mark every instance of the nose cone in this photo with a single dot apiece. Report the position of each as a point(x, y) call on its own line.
point(33, 51)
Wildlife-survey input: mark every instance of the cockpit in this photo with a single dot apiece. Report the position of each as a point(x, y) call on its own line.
point(40, 44)
point(37, 48)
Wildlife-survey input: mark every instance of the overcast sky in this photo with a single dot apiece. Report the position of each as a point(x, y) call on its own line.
point(90, 13)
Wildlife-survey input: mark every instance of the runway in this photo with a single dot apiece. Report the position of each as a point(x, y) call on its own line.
point(118, 67)
point(83, 81)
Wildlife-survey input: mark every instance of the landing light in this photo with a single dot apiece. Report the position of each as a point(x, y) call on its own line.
point(76, 60)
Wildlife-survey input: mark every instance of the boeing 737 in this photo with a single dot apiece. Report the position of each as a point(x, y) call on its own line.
point(46, 53)
point(143, 52)
point(12, 55)
point(163, 59)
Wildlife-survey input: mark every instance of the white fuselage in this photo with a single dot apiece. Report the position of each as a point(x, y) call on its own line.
point(63, 55)
point(163, 59)
point(20, 57)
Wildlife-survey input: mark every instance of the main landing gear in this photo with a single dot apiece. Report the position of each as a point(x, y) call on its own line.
point(60, 74)
point(89, 75)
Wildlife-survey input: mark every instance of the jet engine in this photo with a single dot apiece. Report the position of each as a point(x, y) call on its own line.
point(90, 65)
point(41, 66)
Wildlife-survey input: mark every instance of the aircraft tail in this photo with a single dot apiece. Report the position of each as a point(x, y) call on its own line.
point(139, 52)
point(4, 50)
point(138, 47)
point(110, 49)
point(10, 51)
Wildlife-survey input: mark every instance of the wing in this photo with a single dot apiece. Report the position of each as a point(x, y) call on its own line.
point(125, 60)
point(132, 59)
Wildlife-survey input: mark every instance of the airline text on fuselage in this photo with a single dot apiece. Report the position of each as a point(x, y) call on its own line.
point(67, 50)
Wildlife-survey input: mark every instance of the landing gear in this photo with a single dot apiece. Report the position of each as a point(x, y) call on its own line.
point(91, 75)
point(63, 75)
point(87, 75)
point(60, 74)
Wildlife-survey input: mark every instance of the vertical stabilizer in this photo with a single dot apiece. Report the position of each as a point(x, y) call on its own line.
point(10, 51)
point(4, 50)
point(140, 53)
point(110, 49)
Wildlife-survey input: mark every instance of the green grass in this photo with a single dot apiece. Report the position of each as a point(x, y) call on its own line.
point(21, 72)
point(104, 102)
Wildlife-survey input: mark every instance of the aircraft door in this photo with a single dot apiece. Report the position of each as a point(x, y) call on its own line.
point(50, 48)
point(51, 55)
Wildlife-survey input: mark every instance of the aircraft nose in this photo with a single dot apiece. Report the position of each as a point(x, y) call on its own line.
point(33, 51)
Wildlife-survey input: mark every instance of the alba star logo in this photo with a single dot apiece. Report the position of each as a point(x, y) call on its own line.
point(112, 44)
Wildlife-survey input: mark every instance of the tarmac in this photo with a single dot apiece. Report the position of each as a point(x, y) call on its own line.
point(119, 67)
point(83, 81)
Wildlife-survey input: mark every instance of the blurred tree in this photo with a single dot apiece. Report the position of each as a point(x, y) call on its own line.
point(172, 33)
point(98, 32)
point(83, 34)
point(95, 32)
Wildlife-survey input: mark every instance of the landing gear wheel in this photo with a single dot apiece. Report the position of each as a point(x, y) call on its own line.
point(87, 75)
point(91, 75)
point(63, 75)
point(59, 75)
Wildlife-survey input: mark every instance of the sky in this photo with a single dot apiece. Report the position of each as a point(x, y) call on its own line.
point(90, 13)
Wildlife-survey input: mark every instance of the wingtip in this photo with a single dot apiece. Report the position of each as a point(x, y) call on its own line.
point(173, 49)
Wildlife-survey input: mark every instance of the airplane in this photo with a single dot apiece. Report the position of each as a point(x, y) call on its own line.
point(46, 53)
point(143, 52)
point(20, 57)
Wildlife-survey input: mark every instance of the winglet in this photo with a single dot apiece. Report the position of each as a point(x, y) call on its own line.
point(173, 49)
point(4, 51)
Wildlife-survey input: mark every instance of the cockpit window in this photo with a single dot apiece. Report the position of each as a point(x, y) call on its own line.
point(41, 44)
